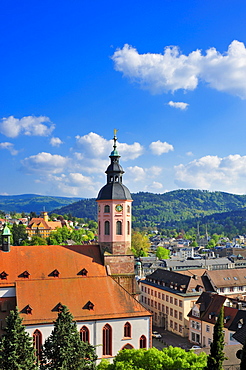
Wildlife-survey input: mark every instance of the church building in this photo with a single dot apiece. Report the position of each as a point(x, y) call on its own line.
point(95, 282)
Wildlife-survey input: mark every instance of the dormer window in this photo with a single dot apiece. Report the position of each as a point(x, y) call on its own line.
point(55, 273)
point(59, 307)
point(240, 324)
point(88, 306)
point(25, 274)
point(84, 272)
point(3, 275)
point(28, 310)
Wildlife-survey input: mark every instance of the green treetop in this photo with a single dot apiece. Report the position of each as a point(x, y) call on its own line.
point(16, 349)
point(217, 356)
point(64, 350)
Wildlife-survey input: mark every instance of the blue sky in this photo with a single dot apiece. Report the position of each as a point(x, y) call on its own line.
point(169, 75)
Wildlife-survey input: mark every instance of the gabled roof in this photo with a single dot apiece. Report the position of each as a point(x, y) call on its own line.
point(210, 305)
point(110, 300)
point(227, 278)
point(41, 260)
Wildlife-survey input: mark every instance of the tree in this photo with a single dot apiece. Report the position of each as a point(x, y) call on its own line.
point(171, 358)
point(217, 356)
point(36, 240)
point(162, 253)
point(63, 349)
point(140, 244)
point(19, 234)
point(16, 349)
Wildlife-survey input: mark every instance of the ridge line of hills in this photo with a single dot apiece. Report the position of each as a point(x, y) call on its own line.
point(179, 209)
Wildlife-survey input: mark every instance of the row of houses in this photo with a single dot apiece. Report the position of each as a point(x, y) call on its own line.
point(171, 296)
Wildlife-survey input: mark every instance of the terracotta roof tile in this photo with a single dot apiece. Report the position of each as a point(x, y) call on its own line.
point(108, 298)
point(40, 261)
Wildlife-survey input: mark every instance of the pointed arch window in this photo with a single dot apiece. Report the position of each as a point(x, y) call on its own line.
point(128, 346)
point(37, 343)
point(107, 209)
point(99, 228)
point(127, 330)
point(118, 228)
point(107, 228)
point(143, 342)
point(107, 340)
point(84, 334)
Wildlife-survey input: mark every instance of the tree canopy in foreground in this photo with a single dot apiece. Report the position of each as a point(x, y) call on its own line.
point(64, 350)
point(16, 348)
point(171, 358)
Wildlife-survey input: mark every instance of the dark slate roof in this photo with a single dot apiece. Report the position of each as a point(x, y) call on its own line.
point(115, 190)
point(240, 335)
point(240, 317)
point(170, 278)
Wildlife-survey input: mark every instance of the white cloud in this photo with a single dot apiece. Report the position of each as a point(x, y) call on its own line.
point(9, 146)
point(74, 184)
point(156, 185)
point(178, 105)
point(173, 70)
point(214, 173)
point(94, 145)
point(189, 154)
point(158, 147)
point(56, 141)
point(45, 163)
point(30, 125)
point(139, 173)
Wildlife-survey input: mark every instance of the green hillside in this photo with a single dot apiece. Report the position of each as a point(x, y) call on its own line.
point(178, 205)
point(32, 202)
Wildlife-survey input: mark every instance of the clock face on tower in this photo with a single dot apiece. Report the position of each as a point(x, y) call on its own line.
point(119, 208)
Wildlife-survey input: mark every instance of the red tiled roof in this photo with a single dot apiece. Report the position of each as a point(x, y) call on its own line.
point(108, 298)
point(40, 261)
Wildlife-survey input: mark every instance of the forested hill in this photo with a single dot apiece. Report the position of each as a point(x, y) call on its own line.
point(178, 205)
point(32, 203)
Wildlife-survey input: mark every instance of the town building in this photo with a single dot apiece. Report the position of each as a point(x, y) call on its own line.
point(204, 314)
point(169, 296)
point(42, 227)
point(95, 282)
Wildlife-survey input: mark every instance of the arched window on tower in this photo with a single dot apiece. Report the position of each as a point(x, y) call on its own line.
point(84, 334)
point(107, 228)
point(142, 342)
point(107, 340)
point(99, 228)
point(127, 330)
point(118, 228)
point(128, 209)
point(128, 228)
point(106, 209)
point(37, 343)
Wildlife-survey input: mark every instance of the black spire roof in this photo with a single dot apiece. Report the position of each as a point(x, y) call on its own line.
point(114, 189)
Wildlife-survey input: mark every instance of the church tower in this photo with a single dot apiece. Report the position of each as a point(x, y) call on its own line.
point(114, 224)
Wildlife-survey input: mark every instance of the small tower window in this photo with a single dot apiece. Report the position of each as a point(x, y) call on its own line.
point(106, 209)
point(118, 228)
point(107, 228)
point(128, 228)
point(99, 228)
point(128, 209)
